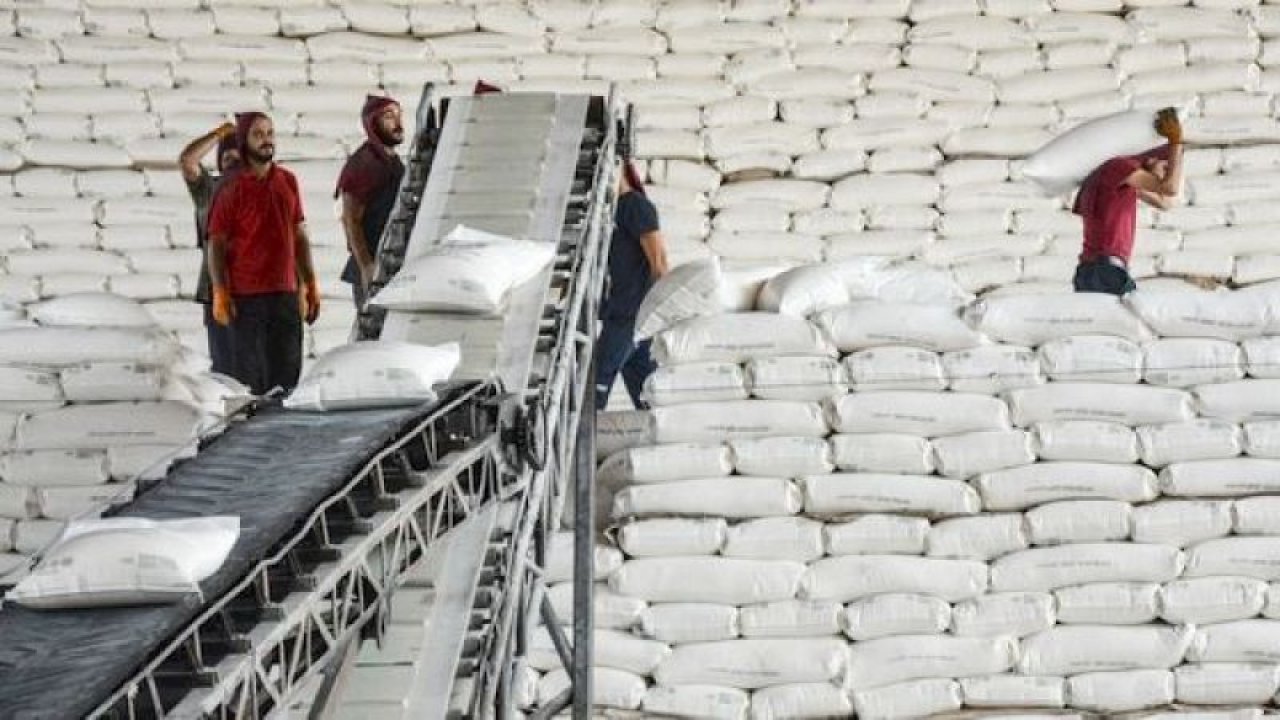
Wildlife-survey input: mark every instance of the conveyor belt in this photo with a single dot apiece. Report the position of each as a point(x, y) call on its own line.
point(270, 470)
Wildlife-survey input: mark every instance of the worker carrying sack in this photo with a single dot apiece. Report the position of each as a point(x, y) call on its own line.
point(1067, 160)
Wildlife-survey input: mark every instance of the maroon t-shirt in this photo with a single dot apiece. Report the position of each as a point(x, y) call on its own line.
point(259, 217)
point(1109, 208)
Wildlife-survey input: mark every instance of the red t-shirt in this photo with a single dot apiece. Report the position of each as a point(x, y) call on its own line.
point(1109, 208)
point(260, 218)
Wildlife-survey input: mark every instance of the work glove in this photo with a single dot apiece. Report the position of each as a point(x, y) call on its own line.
point(309, 302)
point(224, 309)
point(1168, 126)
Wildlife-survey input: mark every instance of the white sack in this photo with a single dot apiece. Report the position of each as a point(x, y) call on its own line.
point(663, 537)
point(796, 377)
point(1001, 691)
point(1183, 362)
point(731, 581)
point(109, 424)
point(962, 456)
point(898, 453)
point(1108, 603)
point(1039, 319)
point(917, 413)
point(911, 699)
point(1257, 515)
point(26, 389)
point(872, 324)
point(1196, 440)
point(611, 649)
point(91, 310)
point(1262, 439)
point(468, 271)
point(781, 456)
point(1116, 692)
point(609, 687)
point(883, 493)
point(1079, 521)
point(1017, 614)
point(1233, 477)
point(1226, 315)
point(1050, 568)
point(688, 291)
point(1070, 650)
point(791, 618)
point(981, 537)
point(992, 369)
point(108, 382)
point(717, 422)
point(894, 367)
point(623, 430)
point(678, 623)
point(1227, 684)
point(1200, 601)
point(800, 700)
point(754, 663)
point(611, 611)
point(1239, 401)
point(738, 337)
point(1030, 485)
point(45, 468)
point(1093, 359)
point(1065, 161)
point(1237, 641)
point(1126, 404)
point(665, 463)
point(852, 577)
point(1255, 557)
point(875, 663)
point(734, 497)
point(877, 535)
point(1181, 522)
point(697, 382)
point(703, 701)
point(61, 346)
point(1085, 440)
point(373, 374)
point(779, 538)
point(895, 614)
point(803, 291)
point(94, 562)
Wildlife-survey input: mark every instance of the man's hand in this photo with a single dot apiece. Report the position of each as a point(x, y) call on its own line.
point(366, 276)
point(1168, 126)
point(310, 302)
point(224, 309)
point(224, 131)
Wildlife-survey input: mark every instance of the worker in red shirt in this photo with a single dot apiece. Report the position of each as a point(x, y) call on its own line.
point(1108, 204)
point(258, 253)
point(368, 185)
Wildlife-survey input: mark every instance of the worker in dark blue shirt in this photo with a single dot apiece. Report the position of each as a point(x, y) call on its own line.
point(637, 258)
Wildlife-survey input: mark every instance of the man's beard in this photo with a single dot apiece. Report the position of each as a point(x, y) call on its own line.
point(387, 138)
point(262, 155)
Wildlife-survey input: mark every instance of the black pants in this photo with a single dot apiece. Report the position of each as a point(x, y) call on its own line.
point(267, 338)
point(221, 352)
point(618, 352)
point(1103, 277)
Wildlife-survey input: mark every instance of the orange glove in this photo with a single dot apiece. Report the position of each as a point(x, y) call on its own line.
point(309, 302)
point(1168, 126)
point(224, 309)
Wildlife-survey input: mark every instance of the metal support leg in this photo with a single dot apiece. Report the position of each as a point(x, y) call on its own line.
point(584, 477)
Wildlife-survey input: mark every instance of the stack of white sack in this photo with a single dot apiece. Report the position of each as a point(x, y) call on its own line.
point(93, 397)
point(897, 509)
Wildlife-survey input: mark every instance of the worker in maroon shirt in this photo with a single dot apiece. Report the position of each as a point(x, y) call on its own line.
point(368, 185)
point(258, 253)
point(1108, 204)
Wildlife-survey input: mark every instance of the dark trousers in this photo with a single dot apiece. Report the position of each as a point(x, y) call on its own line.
point(358, 295)
point(617, 351)
point(267, 337)
point(221, 352)
point(1101, 276)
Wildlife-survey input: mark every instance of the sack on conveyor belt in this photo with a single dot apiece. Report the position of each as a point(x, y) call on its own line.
point(468, 271)
point(97, 563)
point(691, 290)
point(374, 374)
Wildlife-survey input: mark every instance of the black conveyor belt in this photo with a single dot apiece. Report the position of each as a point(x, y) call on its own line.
point(272, 471)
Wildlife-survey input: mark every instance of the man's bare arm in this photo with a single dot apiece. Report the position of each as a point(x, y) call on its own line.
point(189, 158)
point(302, 253)
point(217, 251)
point(353, 225)
point(655, 251)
